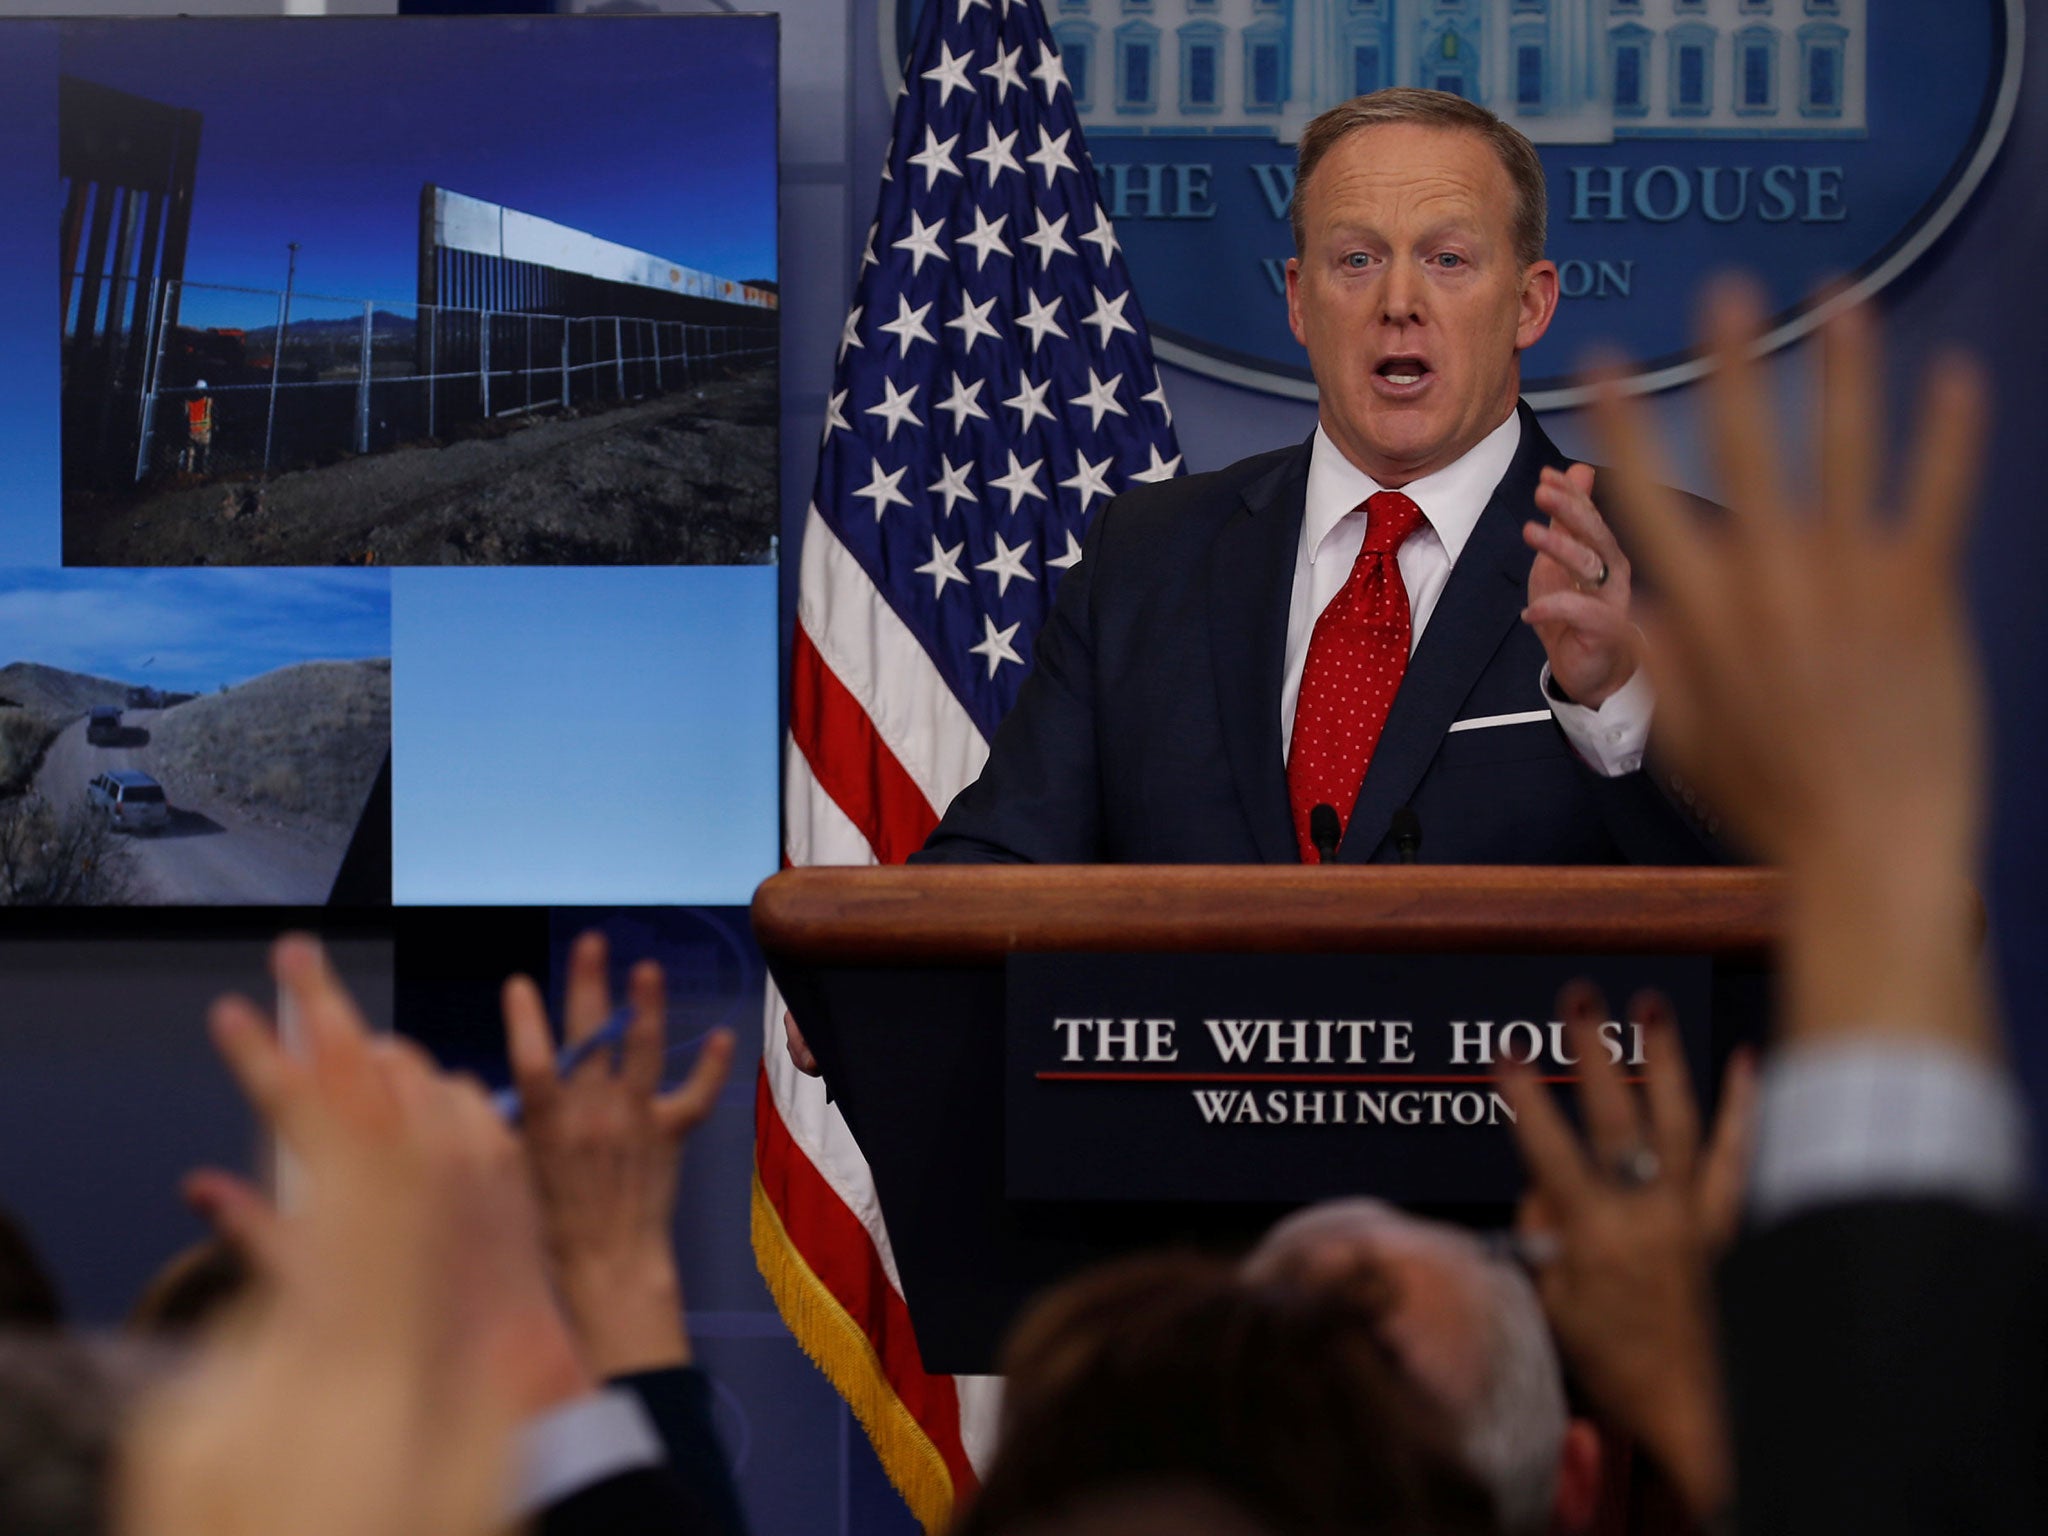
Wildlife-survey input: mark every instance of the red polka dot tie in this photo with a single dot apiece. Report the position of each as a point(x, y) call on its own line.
point(1355, 660)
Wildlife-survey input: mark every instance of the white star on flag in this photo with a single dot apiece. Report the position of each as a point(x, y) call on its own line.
point(950, 73)
point(835, 418)
point(1049, 72)
point(995, 645)
point(895, 410)
point(997, 155)
point(1004, 72)
point(1102, 236)
point(922, 241)
point(972, 321)
point(1029, 403)
point(849, 333)
point(1051, 155)
point(1072, 557)
point(1021, 483)
point(908, 326)
point(1049, 239)
point(1100, 398)
point(952, 483)
point(1108, 316)
point(936, 158)
point(986, 237)
point(1159, 469)
point(944, 566)
point(1008, 565)
point(962, 403)
point(1039, 321)
point(881, 490)
point(1089, 480)
point(1158, 397)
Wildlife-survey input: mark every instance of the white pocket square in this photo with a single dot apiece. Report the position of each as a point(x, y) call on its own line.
point(1488, 722)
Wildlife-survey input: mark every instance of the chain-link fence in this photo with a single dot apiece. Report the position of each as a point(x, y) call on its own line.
point(240, 381)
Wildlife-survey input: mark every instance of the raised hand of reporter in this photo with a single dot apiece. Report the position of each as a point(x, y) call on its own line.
point(1814, 669)
point(1628, 1221)
point(604, 1145)
point(366, 1392)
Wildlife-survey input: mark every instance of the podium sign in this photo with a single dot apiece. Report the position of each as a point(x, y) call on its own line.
point(1267, 1077)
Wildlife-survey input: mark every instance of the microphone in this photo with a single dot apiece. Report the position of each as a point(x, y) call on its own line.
point(1407, 829)
point(1324, 830)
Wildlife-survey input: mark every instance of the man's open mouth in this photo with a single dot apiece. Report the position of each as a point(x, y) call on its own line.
point(1403, 372)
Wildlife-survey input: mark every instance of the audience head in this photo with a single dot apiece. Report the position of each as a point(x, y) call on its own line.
point(193, 1290)
point(1469, 1330)
point(57, 1422)
point(28, 1297)
point(1176, 1372)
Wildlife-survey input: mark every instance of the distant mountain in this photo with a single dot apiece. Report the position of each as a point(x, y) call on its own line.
point(58, 696)
point(384, 326)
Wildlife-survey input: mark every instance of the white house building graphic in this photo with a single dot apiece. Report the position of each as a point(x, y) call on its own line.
point(1564, 71)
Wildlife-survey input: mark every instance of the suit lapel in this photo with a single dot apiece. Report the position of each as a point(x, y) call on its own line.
point(1251, 584)
point(1481, 603)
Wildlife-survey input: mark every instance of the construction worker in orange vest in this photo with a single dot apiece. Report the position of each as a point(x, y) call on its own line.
point(198, 454)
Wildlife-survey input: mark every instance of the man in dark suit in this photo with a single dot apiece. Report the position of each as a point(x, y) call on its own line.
point(1375, 621)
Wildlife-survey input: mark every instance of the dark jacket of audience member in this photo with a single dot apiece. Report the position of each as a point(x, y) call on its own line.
point(1279, 1401)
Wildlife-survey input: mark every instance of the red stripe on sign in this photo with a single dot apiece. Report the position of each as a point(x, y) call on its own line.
point(839, 1251)
point(850, 760)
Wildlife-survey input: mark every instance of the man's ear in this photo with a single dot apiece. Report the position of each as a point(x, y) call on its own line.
point(1294, 298)
point(1578, 1480)
point(1539, 304)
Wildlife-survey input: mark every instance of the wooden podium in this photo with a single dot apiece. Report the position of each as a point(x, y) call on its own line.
point(898, 978)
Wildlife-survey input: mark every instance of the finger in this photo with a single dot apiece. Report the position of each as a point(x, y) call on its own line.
point(528, 1045)
point(1660, 529)
point(1851, 419)
point(243, 1037)
point(335, 1038)
point(1947, 462)
point(1558, 1173)
point(1741, 432)
point(587, 999)
point(1580, 560)
point(1589, 611)
point(239, 1213)
point(1725, 1172)
point(685, 1107)
point(799, 1048)
point(1667, 1089)
point(1614, 1123)
point(1560, 497)
point(641, 1068)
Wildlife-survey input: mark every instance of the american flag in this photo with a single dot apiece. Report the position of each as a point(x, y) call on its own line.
point(994, 387)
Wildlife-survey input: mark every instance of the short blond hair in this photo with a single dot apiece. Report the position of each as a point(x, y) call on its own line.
point(1432, 109)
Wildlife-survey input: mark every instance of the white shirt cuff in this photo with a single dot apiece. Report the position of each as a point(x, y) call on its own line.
point(1613, 737)
point(1872, 1120)
point(580, 1444)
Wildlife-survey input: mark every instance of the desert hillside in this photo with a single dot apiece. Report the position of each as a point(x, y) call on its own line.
point(301, 744)
point(35, 703)
point(56, 695)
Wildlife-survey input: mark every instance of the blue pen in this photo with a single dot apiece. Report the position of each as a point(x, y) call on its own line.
point(612, 1032)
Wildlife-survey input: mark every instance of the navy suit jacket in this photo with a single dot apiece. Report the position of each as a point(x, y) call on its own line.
point(1149, 729)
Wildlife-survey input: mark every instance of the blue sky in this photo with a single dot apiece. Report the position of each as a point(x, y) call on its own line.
point(29, 527)
point(567, 736)
point(195, 629)
point(655, 132)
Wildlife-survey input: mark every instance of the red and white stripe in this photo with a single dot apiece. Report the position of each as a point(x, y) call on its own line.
point(878, 746)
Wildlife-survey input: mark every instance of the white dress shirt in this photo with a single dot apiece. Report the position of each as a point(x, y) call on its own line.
point(1872, 1119)
point(1611, 738)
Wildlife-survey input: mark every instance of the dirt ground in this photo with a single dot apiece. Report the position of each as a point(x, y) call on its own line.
point(686, 479)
